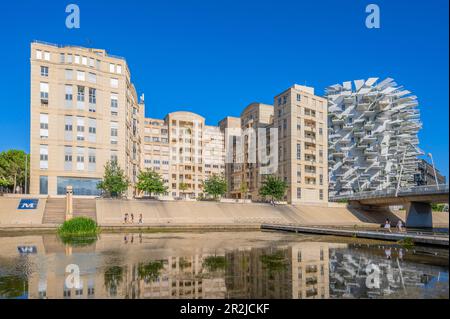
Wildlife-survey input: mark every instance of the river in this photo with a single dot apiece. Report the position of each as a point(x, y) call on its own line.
point(193, 265)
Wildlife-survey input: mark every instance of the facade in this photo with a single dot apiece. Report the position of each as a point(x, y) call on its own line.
point(247, 175)
point(185, 151)
point(226, 125)
point(426, 174)
point(301, 119)
point(373, 139)
point(84, 112)
point(299, 122)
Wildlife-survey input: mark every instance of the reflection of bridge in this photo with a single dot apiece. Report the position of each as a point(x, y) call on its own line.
point(417, 200)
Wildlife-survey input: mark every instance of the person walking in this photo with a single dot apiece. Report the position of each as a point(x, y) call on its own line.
point(387, 225)
point(140, 218)
point(125, 219)
point(132, 218)
point(400, 225)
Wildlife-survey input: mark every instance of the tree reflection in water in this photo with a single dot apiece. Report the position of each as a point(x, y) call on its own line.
point(150, 271)
point(13, 286)
point(274, 263)
point(113, 278)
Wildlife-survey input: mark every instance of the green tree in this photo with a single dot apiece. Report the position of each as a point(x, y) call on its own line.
point(114, 181)
point(244, 189)
point(215, 185)
point(151, 182)
point(183, 187)
point(14, 169)
point(274, 187)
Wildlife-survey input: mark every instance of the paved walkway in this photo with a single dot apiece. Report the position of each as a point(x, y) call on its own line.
point(440, 240)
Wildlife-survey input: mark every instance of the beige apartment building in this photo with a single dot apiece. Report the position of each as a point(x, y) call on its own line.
point(84, 112)
point(185, 151)
point(301, 119)
point(299, 116)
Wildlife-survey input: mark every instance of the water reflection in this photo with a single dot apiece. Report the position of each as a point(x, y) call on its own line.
point(216, 265)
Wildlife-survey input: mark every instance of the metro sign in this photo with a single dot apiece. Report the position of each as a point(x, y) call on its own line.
point(27, 249)
point(28, 204)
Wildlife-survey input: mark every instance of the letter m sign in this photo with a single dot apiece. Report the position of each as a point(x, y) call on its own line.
point(26, 204)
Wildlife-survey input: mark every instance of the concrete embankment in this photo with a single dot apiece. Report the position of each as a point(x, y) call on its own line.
point(110, 213)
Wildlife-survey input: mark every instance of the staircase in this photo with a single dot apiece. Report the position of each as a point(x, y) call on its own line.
point(55, 209)
point(84, 207)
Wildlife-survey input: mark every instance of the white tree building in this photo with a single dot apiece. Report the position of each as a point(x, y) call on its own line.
point(373, 139)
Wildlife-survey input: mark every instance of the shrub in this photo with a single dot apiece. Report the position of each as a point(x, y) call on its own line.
point(78, 226)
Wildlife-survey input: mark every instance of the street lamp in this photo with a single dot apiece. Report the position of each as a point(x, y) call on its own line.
point(434, 169)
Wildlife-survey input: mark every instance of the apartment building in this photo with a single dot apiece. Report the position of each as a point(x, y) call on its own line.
point(301, 119)
point(227, 126)
point(185, 151)
point(427, 174)
point(373, 127)
point(255, 118)
point(84, 112)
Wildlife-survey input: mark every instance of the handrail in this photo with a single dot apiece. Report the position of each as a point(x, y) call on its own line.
point(424, 189)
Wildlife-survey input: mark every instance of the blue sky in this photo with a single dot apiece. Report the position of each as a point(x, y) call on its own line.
point(215, 57)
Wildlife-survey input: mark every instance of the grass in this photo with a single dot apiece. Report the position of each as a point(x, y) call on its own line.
point(407, 242)
point(78, 226)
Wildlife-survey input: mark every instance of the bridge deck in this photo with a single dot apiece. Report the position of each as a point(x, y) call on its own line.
point(439, 240)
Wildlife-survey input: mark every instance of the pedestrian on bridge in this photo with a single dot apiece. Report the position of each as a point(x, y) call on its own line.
point(387, 225)
point(400, 225)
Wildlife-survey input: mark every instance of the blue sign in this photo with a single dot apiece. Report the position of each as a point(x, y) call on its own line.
point(28, 203)
point(27, 249)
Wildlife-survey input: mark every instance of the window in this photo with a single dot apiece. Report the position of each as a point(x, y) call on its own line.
point(43, 125)
point(47, 56)
point(69, 58)
point(84, 60)
point(114, 156)
point(114, 83)
point(321, 194)
point(299, 193)
point(69, 74)
point(38, 54)
point(92, 96)
point(92, 77)
point(92, 130)
point(77, 59)
point(81, 76)
point(81, 186)
point(44, 71)
point(61, 58)
point(111, 67)
point(43, 157)
point(299, 97)
point(80, 95)
point(321, 179)
point(119, 69)
point(44, 92)
point(69, 93)
point(43, 185)
point(299, 153)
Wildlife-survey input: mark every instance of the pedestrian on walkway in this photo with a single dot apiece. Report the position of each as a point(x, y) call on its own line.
point(387, 225)
point(140, 218)
point(400, 225)
point(125, 218)
point(132, 218)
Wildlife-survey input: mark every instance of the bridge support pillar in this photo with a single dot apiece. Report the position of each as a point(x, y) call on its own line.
point(419, 215)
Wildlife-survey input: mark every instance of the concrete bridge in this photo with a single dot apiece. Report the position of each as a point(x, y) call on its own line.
point(417, 201)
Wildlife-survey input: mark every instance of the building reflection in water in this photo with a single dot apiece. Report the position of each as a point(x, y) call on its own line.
point(299, 270)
